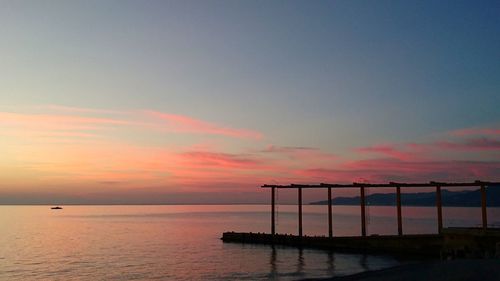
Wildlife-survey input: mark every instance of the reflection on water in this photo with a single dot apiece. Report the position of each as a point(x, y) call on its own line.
point(330, 262)
point(274, 272)
point(290, 263)
point(300, 262)
point(182, 242)
point(363, 261)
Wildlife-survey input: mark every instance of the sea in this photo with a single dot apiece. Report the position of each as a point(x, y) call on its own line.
point(182, 242)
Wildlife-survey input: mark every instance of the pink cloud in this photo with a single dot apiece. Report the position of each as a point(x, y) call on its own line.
point(75, 122)
point(396, 170)
point(185, 124)
point(109, 161)
point(415, 151)
point(434, 170)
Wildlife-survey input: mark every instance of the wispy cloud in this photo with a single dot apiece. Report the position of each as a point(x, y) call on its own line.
point(186, 124)
point(220, 160)
point(55, 120)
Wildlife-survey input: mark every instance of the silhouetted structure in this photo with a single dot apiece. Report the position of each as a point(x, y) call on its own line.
point(363, 186)
point(449, 242)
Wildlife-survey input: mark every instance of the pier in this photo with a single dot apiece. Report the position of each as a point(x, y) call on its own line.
point(483, 241)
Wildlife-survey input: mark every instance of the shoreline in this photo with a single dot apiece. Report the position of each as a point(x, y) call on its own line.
point(452, 270)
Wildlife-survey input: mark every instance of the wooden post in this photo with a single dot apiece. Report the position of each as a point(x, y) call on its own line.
point(398, 203)
point(483, 207)
point(439, 206)
point(363, 212)
point(300, 211)
point(330, 231)
point(273, 226)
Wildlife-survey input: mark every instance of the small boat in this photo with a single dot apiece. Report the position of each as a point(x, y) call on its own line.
point(56, 208)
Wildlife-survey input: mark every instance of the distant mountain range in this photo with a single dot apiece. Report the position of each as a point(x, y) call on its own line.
point(449, 198)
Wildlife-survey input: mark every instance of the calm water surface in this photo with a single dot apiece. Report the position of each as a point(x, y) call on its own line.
point(182, 242)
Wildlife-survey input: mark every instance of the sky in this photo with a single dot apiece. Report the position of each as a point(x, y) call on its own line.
point(184, 102)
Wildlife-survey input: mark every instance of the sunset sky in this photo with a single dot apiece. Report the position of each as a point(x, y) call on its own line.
point(204, 101)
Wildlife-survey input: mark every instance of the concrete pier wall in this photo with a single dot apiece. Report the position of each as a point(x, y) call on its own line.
point(452, 243)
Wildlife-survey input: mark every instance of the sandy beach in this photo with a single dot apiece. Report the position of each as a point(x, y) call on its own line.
point(456, 270)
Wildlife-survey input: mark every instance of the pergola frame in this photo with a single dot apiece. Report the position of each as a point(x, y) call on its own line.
point(363, 186)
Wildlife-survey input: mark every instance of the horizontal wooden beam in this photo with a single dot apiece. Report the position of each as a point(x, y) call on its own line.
point(383, 185)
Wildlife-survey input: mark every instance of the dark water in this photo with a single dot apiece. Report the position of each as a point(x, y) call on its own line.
point(182, 242)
